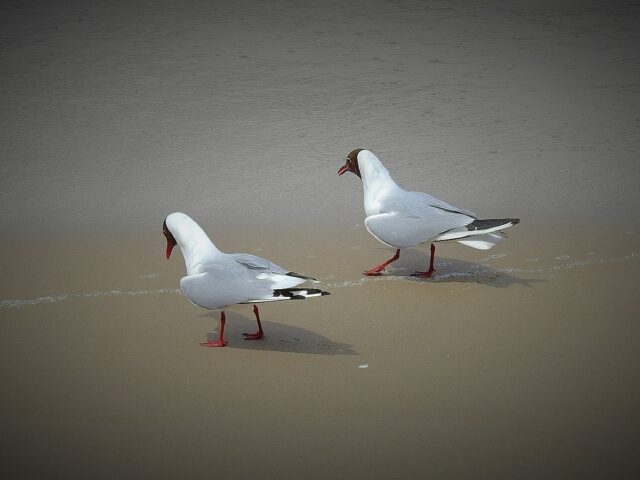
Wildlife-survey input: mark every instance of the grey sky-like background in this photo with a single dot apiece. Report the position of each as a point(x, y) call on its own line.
point(116, 113)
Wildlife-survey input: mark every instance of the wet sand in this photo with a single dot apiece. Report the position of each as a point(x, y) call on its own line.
point(519, 362)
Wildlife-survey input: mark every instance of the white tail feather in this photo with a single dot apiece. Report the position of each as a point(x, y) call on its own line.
point(482, 242)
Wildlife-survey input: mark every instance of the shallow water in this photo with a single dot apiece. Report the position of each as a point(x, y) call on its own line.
point(118, 114)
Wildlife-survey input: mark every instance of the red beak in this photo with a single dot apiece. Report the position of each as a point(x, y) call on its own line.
point(169, 248)
point(343, 168)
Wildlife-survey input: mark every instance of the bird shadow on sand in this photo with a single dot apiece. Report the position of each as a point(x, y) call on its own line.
point(454, 270)
point(278, 337)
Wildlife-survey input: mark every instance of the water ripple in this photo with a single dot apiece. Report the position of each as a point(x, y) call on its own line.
point(16, 303)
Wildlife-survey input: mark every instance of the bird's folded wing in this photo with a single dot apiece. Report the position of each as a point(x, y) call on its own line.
point(253, 262)
point(427, 201)
point(406, 231)
point(277, 280)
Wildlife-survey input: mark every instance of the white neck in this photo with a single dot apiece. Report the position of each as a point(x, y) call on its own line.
point(197, 248)
point(377, 182)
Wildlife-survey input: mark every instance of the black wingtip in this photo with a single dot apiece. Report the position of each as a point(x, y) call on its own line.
point(491, 222)
point(297, 275)
point(293, 293)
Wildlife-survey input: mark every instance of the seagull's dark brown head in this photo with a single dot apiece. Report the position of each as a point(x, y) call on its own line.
point(171, 241)
point(351, 165)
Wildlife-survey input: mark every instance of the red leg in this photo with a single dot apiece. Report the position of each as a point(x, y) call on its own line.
point(379, 268)
point(259, 333)
point(429, 272)
point(220, 342)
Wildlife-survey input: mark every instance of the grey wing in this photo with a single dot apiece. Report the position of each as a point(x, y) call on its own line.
point(403, 231)
point(268, 273)
point(253, 262)
point(425, 200)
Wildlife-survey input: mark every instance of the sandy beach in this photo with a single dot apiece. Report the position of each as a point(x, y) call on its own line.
point(516, 362)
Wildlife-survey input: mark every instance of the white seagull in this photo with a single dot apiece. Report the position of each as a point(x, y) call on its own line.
point(216, 279)
point(404, 219)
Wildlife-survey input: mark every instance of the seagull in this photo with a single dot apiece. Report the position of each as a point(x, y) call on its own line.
point(216, 279)
point(404, 219)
